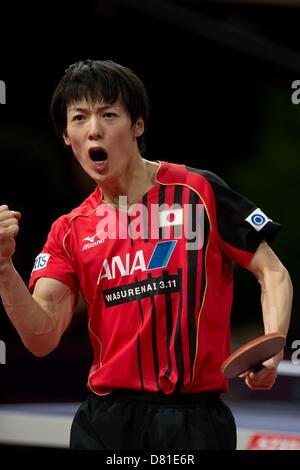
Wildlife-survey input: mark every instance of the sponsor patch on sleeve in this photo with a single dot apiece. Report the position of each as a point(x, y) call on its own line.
point(41, 261)
point(257, 219)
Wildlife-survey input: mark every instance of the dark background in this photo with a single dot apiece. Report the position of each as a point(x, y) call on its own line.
point(219, 77)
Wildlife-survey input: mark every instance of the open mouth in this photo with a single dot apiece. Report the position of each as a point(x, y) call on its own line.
point(97, 155)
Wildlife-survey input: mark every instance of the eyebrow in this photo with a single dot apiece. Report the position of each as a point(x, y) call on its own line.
point(82, 109)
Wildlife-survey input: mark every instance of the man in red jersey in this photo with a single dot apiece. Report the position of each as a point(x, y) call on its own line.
point(151, 250)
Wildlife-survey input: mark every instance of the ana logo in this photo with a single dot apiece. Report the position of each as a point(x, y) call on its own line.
point(123, 267)
point(257, 219)
point(161, 254)
point(41, 261)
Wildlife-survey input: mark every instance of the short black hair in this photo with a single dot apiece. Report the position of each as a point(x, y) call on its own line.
point(100, 81)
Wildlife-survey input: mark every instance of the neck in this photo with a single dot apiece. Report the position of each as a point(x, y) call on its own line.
point(137, 180)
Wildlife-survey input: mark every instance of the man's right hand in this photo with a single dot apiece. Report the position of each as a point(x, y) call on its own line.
point(40, 318)
point(9, 228)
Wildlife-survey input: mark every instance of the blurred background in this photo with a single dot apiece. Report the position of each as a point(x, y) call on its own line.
point(219, 75)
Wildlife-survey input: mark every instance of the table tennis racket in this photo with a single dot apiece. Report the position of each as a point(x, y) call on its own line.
point(252, 354)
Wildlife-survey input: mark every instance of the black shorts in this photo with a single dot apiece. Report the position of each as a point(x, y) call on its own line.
point(127, 420)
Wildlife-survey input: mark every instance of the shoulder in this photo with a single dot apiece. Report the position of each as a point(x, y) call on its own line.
point(192, 176)
point(62, 225)
point(209, 176)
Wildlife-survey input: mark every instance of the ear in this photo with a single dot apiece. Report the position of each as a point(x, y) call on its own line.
point(66, 138)
point(139, 127)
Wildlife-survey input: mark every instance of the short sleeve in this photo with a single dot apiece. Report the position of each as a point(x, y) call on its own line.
point(241, 224)
point(54, 261)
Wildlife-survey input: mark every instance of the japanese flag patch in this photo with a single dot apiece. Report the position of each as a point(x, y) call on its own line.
point(171, 217)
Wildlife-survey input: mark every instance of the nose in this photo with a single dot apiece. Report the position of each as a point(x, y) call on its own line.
point(95, 129)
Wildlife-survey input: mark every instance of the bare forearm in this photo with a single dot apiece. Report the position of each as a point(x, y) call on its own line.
point(276, 299)
point(34, 324)
point(276, 289)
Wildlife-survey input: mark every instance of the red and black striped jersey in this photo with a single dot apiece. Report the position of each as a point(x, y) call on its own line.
point(157, 279)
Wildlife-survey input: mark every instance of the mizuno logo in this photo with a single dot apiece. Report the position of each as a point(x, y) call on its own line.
point(87, 246)
point(92, 238)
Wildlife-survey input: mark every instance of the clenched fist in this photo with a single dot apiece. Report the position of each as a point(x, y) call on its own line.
point(9, 228)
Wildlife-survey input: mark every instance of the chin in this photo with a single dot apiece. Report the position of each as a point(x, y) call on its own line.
point(99, 179)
